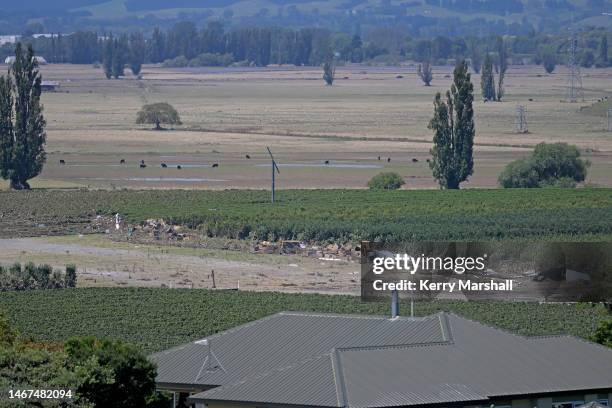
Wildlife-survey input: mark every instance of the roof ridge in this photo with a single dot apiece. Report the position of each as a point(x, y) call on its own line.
point(356, 316)
point(338, 374)
point(395, 346)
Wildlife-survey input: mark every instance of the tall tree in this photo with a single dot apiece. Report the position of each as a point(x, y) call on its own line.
point(329, 71)
point(487, 79)
point(137, 52)
point(502, 55)
point(453, 126)
point(475, 54)
point(602, 57)
point(425, 73)
point(107, 57)
point(120, 56)
point(22, 126)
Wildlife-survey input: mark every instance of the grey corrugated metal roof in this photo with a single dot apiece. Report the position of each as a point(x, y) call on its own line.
point(285, 338)
point(476, 363)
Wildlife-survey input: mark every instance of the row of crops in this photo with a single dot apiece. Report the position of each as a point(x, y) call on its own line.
point(156, 319)
point(326, 215)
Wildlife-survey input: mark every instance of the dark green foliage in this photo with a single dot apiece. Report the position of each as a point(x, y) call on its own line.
point(386, 181)
point(453, 126)
point(22, 126)
point(550, 165)
point(603, 334)
point(30, 277)
point(115, 57)
point(487, 79)
point(70, 278)
point(587, 59)
point(158, 113)
point(118, 374)
point(329, 71)
point(548, 58)
point(425, 72)
point(502, 55)
point(602, 56)
point(155, 319)
point(107, 57)
point(8, 334)
point(137, 48)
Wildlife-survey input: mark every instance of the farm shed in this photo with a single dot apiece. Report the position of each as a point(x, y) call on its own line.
point(328, 360)
point(48, 86)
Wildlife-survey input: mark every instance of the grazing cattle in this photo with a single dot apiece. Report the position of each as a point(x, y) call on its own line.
point(378, 158)
point(247, 156)
point(122, 161)
point(326, 161)
point(179, 166)
point(388, 160)
point(415, 160)
point(142, 164)
point(428, 161)
point(164, 165)
point(215, 165)
point(62, 161)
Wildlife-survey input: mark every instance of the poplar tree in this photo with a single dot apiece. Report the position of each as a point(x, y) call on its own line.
point(425, 72)
point(502, 53)
point(602, 57)
point(22, 126)
point(487, 79)
point(454, 130)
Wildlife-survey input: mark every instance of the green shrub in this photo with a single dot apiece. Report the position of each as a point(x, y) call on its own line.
point(386, 181)
point(550, 165)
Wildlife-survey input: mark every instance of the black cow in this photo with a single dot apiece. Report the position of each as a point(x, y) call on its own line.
point(215, 165)
point(388, 160)
point(62, 161)
point(415, 160)
point(122, 161)
point(179, 166)
point(326, 161)
point(142, 164)
point(164, 165)
point(247, 156)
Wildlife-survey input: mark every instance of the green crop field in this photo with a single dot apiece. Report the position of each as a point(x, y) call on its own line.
point(156, 319)
point(322, 215)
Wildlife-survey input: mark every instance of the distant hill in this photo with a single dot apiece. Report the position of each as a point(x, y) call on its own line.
point(420, 17)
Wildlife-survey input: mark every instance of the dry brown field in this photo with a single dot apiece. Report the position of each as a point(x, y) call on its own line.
point(228, 113)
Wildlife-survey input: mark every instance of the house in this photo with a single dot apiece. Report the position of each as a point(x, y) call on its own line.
point(328, 360)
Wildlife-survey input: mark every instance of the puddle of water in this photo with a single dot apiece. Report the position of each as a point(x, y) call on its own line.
point(333, 165)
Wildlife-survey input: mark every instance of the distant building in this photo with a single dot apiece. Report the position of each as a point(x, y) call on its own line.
point(9, 39)
point(49, 86)
point(39, 59)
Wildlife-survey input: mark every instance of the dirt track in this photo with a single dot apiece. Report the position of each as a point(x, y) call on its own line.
point(101, 262)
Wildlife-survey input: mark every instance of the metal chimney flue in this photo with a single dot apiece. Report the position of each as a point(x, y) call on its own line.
point(395, 307)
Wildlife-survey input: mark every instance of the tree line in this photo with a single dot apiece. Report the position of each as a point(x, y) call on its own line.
point(213, 43)
point(30, 277)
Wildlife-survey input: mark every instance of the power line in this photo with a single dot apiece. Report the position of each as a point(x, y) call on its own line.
point(574, 79)
point(521, 120)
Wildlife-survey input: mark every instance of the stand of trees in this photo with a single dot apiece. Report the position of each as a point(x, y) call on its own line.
point(550, 165)
point(98, 373)
point(30, 276)
point(22, 126)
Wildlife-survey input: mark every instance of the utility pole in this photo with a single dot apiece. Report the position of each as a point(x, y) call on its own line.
point(274, 171)
point(574, 79)
point(521, 120)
